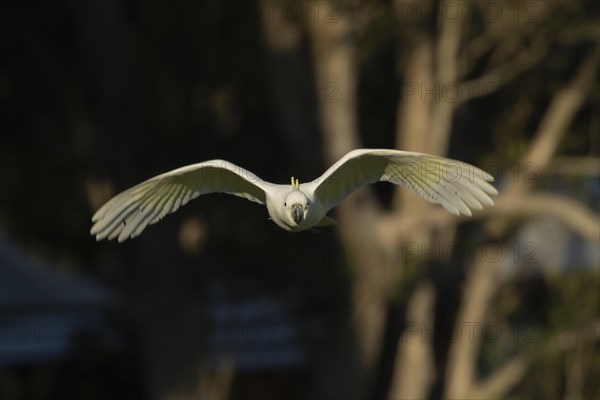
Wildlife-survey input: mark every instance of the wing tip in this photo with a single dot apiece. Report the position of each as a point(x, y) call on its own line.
point(487, 176)
point(489, 189)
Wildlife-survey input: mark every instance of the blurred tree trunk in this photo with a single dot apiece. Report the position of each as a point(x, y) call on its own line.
point(372, 238)
point(373, 251)
point(290, 88)
point(355, 355)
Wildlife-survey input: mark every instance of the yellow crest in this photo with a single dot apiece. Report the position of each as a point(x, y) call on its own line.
point(295, 184)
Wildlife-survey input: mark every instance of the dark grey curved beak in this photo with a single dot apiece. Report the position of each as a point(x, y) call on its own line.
point(297, 213)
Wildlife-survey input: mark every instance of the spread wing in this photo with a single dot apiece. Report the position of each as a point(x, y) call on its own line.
point(456, 185)
point(128, 213)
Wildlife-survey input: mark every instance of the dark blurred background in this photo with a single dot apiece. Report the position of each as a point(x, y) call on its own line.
point(400, 300)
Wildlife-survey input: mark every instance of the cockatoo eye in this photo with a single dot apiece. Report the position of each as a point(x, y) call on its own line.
point(285, 204)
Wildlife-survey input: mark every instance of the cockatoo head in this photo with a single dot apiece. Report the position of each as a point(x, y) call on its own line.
point(296, 204)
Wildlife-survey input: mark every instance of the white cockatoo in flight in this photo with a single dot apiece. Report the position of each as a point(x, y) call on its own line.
point(456, 185)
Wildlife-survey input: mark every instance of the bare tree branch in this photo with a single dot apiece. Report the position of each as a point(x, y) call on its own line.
point(579, 218)
point(553, 126)
point(462, 357)
point(502, 74)
point(414, 368)
point(560, 113)
point(581, 33)
point(575, 373)
point(503, 35)
point(476, 48)
point(571, 212)
point(503, 379)
point(567, 340)
point(447, 47)
point(572, 165)
point(215, 382)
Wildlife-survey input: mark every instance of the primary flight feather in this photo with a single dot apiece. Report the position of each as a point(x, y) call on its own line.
point(456, 185)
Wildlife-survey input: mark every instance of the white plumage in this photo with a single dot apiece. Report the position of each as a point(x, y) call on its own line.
point(456, 185)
